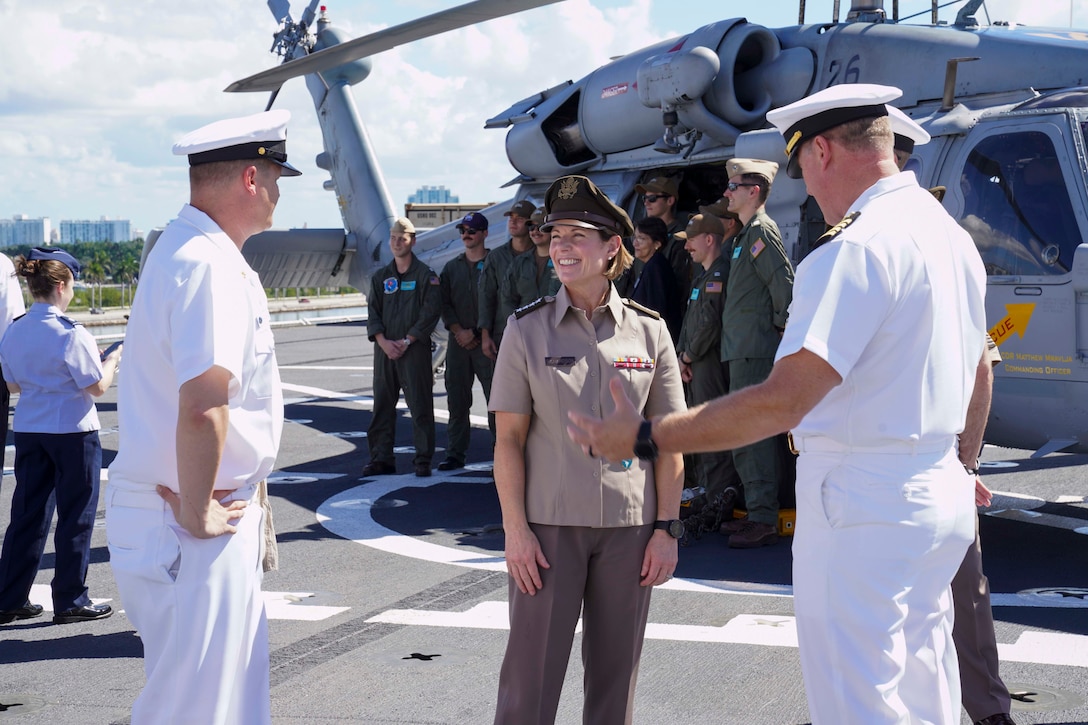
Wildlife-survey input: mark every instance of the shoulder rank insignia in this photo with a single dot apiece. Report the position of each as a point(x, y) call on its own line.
point(834, 231)
point(69, 320)
point(640, 308)
point(938, 193)
point(532, 306)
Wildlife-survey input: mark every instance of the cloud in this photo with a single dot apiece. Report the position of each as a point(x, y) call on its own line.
point(93, 95)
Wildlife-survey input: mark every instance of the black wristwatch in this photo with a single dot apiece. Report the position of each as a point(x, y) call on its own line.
point(675, 527)
point(645, 448)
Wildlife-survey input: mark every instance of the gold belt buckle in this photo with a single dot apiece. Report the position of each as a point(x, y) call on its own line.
point(789, 442)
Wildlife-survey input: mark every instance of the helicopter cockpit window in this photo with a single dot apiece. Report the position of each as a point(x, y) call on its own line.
point(1017, 206)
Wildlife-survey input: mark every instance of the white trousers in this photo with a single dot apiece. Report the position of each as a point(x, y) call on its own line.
point(197, 606)
point(878, 540)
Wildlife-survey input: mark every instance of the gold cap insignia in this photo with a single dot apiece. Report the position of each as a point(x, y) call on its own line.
point(568, 188)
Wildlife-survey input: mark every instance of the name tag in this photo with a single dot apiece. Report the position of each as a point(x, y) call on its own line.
point(559, 362)
point(408, 286)
point(694, 294)
point(736, 252)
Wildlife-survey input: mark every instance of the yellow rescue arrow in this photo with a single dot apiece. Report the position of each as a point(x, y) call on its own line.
point(1016, 322)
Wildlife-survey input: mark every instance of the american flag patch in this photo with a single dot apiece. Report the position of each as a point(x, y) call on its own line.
point(633, 363)
point(758, 247)
point(713, 287)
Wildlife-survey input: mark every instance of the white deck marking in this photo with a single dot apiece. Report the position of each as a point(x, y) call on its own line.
point(367, 403)
point(1049, 648)
point(278, 605)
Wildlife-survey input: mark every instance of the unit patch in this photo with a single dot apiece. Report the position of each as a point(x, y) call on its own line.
point(390, 285)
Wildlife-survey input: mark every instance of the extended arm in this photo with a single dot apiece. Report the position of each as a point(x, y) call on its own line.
point(796, 384)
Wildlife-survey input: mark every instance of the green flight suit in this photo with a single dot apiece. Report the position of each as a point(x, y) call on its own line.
point(757, 303)
point(527, 281)
point(400, 305)
point(493, 308)
point(460, 284)
point(700, 340)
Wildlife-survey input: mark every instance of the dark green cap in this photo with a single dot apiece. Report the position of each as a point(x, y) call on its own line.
point(575, 200)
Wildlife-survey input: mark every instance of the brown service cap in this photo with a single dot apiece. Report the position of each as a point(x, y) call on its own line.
point(402, 226)
point(575, 200)
point(766, 169)
point(704, 224)
point(668, 185)
point(720, 209)
point(523, 208)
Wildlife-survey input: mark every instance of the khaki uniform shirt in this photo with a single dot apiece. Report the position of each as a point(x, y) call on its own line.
point(758, 295)
point(554, 360)
point(493, 296)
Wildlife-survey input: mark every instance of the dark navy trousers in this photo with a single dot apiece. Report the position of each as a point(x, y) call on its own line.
point(67, 468)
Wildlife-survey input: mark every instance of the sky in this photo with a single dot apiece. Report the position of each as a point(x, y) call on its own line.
point(93, 95)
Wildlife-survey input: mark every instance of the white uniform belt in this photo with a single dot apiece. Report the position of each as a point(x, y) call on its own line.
point(134, 495)
point(821, 444)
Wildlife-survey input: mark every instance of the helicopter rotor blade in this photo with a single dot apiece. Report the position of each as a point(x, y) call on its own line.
point(281, 10)
point(441, 22)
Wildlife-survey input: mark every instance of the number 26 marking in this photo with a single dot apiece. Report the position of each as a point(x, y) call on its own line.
point(851, 74)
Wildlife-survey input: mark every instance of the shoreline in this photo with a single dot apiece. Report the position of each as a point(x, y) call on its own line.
point(114, 316)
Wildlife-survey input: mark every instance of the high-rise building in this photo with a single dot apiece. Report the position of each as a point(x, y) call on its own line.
point(21, 229)
point(103, 230)
point(433, 195)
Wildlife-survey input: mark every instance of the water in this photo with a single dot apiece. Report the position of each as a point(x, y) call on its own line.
point(115, 331)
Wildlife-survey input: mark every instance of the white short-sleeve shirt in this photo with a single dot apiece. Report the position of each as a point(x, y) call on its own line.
point(199, 305)
point(11, 296)
point(52, 359)
point(895, 304)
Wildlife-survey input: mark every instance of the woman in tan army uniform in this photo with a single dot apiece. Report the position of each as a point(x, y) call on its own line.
point(582, 535)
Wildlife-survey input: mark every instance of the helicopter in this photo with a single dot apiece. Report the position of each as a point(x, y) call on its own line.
point(1006, 107)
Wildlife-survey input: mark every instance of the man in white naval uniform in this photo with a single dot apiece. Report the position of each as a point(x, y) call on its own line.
point(874, 375)
point(201, 411)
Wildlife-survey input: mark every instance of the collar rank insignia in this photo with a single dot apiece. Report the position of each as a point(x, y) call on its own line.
point(834, 231)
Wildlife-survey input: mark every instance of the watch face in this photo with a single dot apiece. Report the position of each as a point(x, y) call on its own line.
point(677, 528)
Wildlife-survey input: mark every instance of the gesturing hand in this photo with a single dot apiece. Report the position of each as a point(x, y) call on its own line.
point(611, 438)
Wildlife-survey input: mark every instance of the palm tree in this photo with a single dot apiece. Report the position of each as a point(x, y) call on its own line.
point(95, 272)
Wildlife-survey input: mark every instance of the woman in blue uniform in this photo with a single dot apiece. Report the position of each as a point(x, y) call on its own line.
point(54, 365)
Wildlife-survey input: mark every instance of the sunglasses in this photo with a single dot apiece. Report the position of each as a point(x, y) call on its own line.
point(466, 230)
point(734, 185)
point(651, 198)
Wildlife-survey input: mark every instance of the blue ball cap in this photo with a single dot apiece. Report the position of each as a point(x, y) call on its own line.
point(56, 255)
point(475, 221)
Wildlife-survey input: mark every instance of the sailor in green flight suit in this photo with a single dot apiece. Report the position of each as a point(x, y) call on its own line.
point(757, 300)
